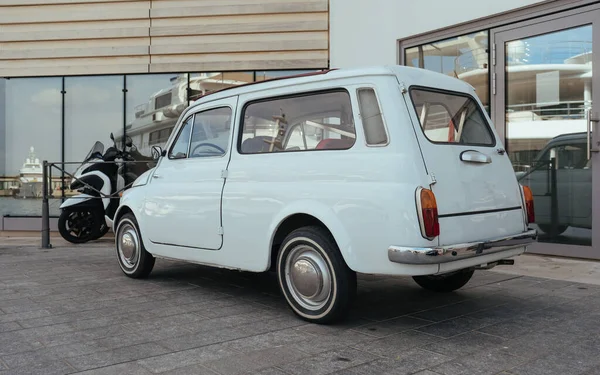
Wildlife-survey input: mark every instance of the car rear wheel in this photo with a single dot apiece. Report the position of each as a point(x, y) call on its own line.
point(313, 276)
point(446, 282)
point(133, 258)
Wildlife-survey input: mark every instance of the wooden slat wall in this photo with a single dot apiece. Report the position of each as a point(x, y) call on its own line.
point(74, 37)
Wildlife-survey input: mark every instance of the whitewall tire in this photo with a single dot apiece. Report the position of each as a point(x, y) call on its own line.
point(313, 276)
point(133, 258)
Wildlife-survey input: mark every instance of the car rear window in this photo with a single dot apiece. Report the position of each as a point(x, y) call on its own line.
point(451, 118)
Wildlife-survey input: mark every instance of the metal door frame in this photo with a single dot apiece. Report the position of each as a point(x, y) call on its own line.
point(544, 25)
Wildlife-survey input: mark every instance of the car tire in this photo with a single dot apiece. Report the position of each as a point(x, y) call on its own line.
point(445, 283)
point(316, 282)
point(547, 228)
point(133, 258)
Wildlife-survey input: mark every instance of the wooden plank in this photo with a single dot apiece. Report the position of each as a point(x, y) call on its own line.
point(68, 26)
point(253, 46)
point(161, 4)
point(218, 20)
point(60, 70)
point(239, 25)
point(75, 43)
point(240, 9)
point(92, 61)
point(4, 3)
point(75, 12)
point(90, 51)
point(240, 38)
point(107, 33)
point(248, 56)
point(238, 65)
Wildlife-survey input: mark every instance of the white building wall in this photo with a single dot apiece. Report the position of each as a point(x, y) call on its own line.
point(364, 32)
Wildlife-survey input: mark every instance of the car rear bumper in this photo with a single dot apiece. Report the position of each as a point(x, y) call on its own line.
point(451, 253)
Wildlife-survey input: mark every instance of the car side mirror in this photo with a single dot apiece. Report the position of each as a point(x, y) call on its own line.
point(157, 152)
point(112, 137)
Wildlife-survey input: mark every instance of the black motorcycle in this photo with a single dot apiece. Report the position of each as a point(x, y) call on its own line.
point(84, 217)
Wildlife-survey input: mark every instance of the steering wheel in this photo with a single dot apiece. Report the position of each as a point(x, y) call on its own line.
point(207, 144)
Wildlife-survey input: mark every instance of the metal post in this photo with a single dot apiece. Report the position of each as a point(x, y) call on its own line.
point(45, 209)
point(553, 197)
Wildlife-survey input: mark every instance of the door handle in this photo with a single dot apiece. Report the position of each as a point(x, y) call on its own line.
point(156, 176)
point(588, 135)
point(472, 156)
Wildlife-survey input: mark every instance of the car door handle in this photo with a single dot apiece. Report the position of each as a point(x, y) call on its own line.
point(156, 176)
point(472, 156)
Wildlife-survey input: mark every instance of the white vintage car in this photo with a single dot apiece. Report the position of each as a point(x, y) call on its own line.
point(382, 170)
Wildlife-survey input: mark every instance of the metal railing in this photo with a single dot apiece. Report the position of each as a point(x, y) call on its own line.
point(47, 190)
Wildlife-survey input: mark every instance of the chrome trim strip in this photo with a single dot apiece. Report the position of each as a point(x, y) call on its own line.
point(450, 253)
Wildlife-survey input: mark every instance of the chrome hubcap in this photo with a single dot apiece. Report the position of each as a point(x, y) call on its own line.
point(128, 245)
point(308, 277)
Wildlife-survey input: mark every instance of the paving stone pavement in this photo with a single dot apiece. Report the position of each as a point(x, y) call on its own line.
point(71, 310)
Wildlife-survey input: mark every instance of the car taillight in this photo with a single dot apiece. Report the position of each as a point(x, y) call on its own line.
point(428, 213)
point(528, 195)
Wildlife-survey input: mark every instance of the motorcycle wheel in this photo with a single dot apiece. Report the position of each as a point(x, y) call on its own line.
point(78, 226)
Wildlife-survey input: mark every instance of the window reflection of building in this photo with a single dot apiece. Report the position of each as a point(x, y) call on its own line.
point(465, 57)
point(31, 116)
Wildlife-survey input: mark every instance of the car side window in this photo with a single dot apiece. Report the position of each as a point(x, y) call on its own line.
point(211, 131)
point(180, 147)
point(306, 122)
point(372, 119)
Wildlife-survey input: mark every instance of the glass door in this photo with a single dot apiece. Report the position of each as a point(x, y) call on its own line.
point(543, 86)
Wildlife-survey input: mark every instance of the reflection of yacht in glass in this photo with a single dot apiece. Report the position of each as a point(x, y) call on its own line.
point(30, 177)
point(155, 119)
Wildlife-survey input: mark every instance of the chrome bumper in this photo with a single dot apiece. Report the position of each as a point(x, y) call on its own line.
point(450, 253)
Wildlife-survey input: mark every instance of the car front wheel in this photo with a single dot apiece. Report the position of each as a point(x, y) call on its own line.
point(314, 278)
point(133, 258)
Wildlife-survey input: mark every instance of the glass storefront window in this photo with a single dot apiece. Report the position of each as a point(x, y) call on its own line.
point(30, 132)
point(154, 103)
point(465, 57)
point(93, 110)
point(205, 83)
point(263, 75)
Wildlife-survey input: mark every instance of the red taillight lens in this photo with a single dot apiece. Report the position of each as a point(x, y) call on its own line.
point(429, 214)
point(528, 195)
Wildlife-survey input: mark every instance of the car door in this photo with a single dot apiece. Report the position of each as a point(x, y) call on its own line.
point(183, 206)
point(475, 187)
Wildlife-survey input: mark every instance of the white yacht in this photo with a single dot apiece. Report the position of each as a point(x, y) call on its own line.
point(155, 118)
point(30, 177)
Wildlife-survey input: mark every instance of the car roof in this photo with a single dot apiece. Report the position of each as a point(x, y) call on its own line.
point(413, 74)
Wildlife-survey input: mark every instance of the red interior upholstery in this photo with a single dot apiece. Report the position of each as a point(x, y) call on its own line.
point(334, 144)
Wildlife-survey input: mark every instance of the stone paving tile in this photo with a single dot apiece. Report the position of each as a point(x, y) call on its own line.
point(254, 360)
point(322, 343)
point(408, 362)
point(453, 327)
point(56, 367)
point(464, 344)
point(171, 361)
point(126, 354)
point(328, 362)
point(130, 368)
point(389, 327)
point(395, 345)
point(487, 362)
